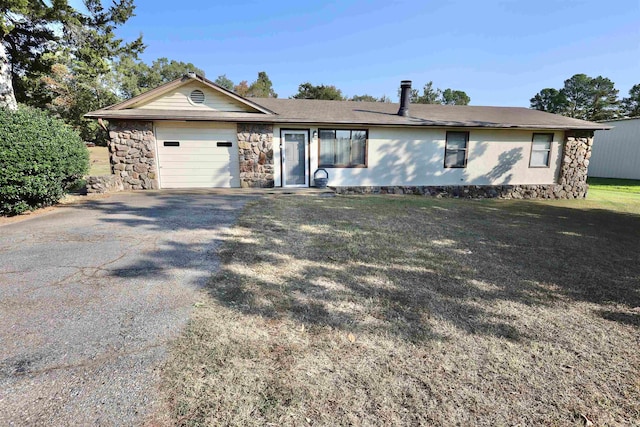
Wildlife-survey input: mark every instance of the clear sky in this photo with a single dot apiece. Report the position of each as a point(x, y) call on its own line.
point(501, 52)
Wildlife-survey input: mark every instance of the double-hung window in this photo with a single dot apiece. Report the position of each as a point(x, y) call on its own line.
point(343, 148)
point(455, 152)
point(540, 150)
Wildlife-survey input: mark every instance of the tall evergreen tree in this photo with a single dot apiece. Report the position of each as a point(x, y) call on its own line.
point(26, 36)
point(549, 100)
point(631, 104)
point(431, 95)
point(309, 91)
point(582, 97)
point(604, 104)
point(136, 77)
point(61, 57)
point(224, 81)
point(454, 97)
point(89, 48)
point(262, 87)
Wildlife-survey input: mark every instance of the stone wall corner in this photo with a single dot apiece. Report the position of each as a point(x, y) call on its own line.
point(574, 169)
point(132, 154)
point(255, 149)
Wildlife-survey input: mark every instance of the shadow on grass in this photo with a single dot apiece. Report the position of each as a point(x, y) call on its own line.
point(632, 319)
point(390, 265)
point(445, 259)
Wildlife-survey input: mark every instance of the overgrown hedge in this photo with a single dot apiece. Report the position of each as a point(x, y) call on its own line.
point(40, 158)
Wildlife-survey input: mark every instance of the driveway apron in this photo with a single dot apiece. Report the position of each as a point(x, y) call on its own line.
point(89, 297)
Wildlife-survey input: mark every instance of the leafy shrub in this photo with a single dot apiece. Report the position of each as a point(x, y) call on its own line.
point(40, 158)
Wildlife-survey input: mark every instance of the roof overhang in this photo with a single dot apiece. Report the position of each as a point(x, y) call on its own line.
point(342, 113)
point(195, 116)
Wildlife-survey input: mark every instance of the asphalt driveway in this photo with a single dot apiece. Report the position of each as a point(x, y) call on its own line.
point(90, 295)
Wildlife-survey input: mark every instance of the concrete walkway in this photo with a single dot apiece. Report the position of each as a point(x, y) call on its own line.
point(89, 296)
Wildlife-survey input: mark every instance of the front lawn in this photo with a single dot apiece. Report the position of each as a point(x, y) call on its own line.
point(417, 311)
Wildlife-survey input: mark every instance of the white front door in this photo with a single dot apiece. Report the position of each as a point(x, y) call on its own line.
point(295, 152)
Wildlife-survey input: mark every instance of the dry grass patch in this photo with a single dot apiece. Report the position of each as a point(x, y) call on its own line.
point(99, 161)
point(406, 310)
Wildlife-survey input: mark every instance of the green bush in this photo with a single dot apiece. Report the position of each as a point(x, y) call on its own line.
point(40, 158)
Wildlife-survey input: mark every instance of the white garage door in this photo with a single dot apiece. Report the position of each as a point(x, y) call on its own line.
point(194, 155)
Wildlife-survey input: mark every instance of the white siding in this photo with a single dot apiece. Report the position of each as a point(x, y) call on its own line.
point(178, 99)
point(198, 161)
point(616, 152)
point(398, 156)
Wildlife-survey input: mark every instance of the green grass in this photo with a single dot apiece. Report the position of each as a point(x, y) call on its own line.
point(417, 311)
point(621, 195)
point(614, 184)
point(611, 200)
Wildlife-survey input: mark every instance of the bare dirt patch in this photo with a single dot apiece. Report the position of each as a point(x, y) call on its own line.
point(406, 310)
point(69, 199)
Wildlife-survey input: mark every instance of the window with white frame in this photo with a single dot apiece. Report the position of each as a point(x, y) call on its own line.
point(541, 150)
point(455, 152)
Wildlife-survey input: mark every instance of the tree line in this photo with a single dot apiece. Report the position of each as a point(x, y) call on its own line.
point(66, 61)
point(429, 95)
point(69, 62)
point(263, 88)
point(588, 98)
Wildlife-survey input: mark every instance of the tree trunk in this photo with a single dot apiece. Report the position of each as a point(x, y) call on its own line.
point(7, 97)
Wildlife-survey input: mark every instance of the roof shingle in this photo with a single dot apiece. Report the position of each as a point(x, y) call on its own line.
point(308, 111)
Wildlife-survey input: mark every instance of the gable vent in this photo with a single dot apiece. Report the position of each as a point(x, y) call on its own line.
point(197, 96)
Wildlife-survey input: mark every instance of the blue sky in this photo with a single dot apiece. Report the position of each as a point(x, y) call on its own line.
point(501, 52)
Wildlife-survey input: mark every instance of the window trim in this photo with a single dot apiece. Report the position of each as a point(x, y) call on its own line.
point(549, 151)
point(336, 166)
point(466, 149)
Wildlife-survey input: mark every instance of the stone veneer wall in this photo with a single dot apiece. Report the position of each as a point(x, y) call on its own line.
point(572, 182)
point(104, 184)
point(575, 164)
point(255, 145)
point(132, 154)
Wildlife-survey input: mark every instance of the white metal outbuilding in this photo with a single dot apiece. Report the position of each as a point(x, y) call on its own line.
point(616, 152)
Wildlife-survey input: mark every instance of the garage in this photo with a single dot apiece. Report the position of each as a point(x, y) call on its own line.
point(197, 155)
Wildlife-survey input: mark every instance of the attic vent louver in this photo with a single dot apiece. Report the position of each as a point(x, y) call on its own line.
point(197, 96)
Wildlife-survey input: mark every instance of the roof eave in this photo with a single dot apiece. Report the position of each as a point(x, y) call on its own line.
point(110, 114)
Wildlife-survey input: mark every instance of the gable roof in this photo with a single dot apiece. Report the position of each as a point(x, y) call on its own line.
point(309, 111)
point(165, 88)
